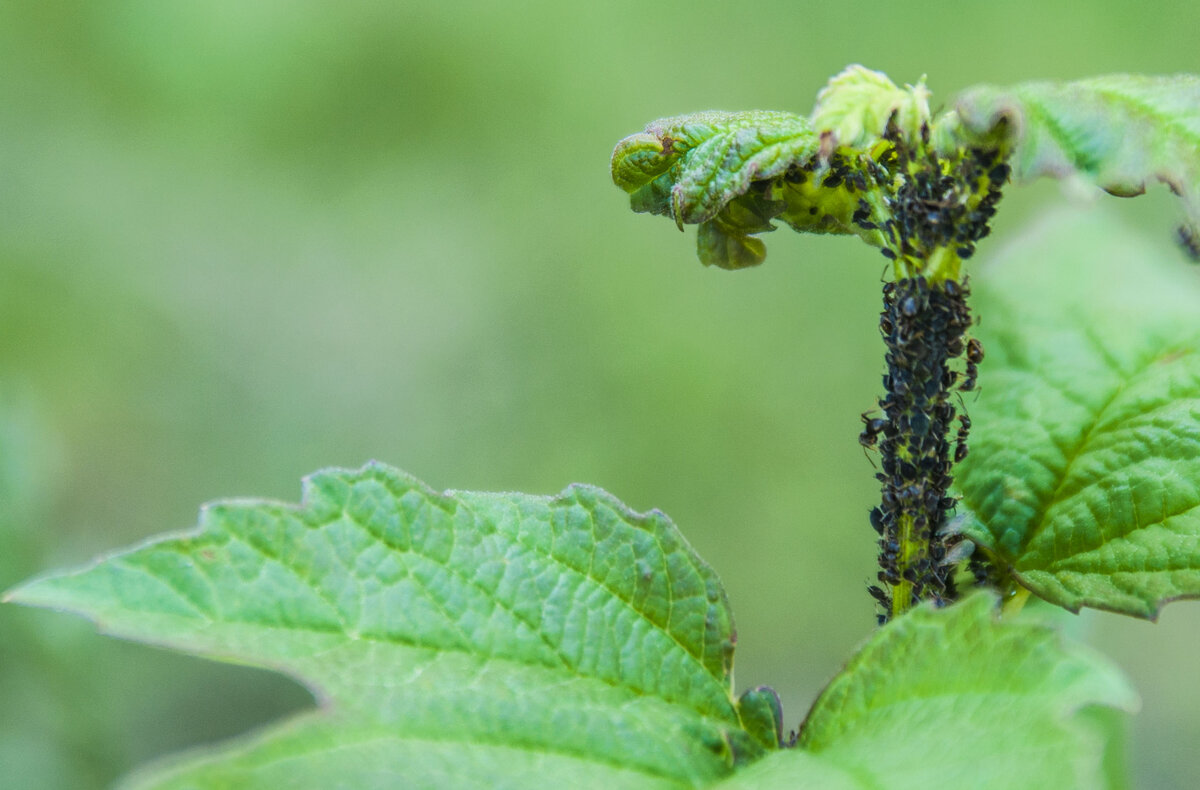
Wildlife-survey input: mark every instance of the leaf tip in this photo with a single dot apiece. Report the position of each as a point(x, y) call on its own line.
point(46, 591)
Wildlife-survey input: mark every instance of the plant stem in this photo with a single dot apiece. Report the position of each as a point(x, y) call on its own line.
point(1013, 605)
point(930, 211)
point(923, 328)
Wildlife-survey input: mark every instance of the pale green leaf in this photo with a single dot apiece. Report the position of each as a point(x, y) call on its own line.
point(725, 241)
point(857, 105)
point(456, 640)
point(1120, 131)
point(1083, 476)
point(956, 698)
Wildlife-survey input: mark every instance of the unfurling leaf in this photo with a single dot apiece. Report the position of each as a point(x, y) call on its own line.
point(872, 146)
point(699, 169)
point(857, 105)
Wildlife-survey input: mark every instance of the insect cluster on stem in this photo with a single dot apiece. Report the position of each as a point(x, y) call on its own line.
point(930, 211)
point(921, 325)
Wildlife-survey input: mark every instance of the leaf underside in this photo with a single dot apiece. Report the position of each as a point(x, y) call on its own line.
point(1084, 471)
point(504, 637)
point(1122, 132)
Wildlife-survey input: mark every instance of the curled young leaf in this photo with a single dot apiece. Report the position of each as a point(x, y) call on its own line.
point(868, 165)
point(857, 105)
point(700, 169)
point(718, 155)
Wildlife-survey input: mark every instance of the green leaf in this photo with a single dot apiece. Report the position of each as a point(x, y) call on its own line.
point(1083, 476)
point(1119, 131)
point(857, 104)
point(699, 168)
point(956, 698)
point(762, 715)
point(462, 639)
point(725, 241)
point(719, 154)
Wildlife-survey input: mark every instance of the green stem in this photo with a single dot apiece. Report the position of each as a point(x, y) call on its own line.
point(1013, 605)
point(923, 328)
point(910, 550)
point(930, 211)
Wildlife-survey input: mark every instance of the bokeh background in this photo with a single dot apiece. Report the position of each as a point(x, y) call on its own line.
point(240, 241)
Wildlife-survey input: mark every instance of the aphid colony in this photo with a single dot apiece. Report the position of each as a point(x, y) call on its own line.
point(925, 208)
point(928, 202)
point(922, 205)
point(922, 326)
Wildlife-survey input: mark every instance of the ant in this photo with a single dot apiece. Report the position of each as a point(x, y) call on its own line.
point(974, 357)
point(881, 597)
point(968, 382)
point(974, 351)
point(874, 427)
point(960, 447)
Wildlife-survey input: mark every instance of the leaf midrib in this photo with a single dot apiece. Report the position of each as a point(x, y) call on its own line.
point(1140, 115)
point(1148, 111)
point(1040, 520)
point(698, 658)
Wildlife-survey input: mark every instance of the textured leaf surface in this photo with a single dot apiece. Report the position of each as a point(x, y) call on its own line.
point(718, 153)
point(465, 639)
point(954, 698)
point(1120, 131)
point(1084, 470)
point(698, 169)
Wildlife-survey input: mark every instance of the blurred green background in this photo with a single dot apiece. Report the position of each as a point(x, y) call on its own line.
point(240, 241)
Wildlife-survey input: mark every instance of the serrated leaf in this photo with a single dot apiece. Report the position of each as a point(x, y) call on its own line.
point(1084, 469)
point(1120, 131)
point(719, 155)
point(955, 698)
point(454, 640)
